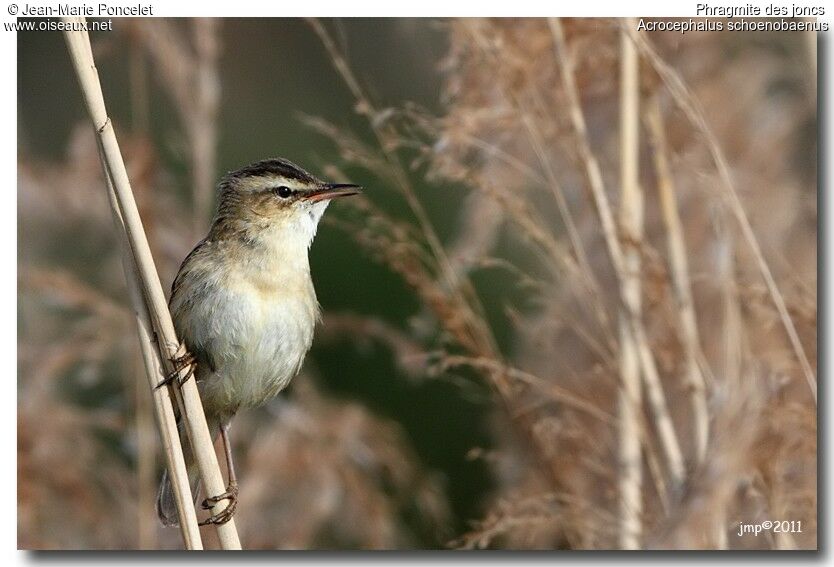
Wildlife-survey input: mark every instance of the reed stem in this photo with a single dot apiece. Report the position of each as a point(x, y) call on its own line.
point(163, 404)
point(679, 268)
point(693, 111)
point(655, 397)
point(631, 224)
point(159, 323)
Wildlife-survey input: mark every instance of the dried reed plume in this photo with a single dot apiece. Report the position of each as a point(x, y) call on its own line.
point(530, 134)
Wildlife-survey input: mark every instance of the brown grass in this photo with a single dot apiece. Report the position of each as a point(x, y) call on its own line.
point(523, 126)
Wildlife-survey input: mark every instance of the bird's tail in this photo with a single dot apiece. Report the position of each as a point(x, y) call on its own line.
point(166, 502)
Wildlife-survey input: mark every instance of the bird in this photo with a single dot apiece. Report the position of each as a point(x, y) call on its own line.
point(244, 305)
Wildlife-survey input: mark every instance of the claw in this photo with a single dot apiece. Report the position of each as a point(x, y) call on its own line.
point(226, 514)
point(186, 360)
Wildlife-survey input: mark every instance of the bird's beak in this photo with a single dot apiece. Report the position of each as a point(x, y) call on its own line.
point(333, 190)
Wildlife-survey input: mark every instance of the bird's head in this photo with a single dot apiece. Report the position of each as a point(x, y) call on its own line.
point(275, 195)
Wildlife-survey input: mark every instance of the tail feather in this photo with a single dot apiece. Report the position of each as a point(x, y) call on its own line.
point(166, 502)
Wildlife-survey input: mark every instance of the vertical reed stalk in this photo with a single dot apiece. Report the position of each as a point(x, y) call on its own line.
point(631, 224)
point(163, 405)
point(145, 275)
point(679, 268)
point(654, 390)
point(732, 336)
point(695, 114)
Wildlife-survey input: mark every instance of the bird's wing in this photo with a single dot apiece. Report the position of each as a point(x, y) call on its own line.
point(187, 284)
point(185, 269)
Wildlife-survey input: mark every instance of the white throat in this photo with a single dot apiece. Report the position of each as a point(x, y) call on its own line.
point(308, 224)
point(286, 244)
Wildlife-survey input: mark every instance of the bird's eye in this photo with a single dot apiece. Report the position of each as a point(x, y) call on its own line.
point(283, 191)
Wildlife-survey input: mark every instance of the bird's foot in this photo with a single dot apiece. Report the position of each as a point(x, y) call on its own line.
point(226, 513)
point(181, 361)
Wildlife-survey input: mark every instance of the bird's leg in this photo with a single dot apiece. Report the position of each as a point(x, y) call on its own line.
point(182, 360)
point(231, 490)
